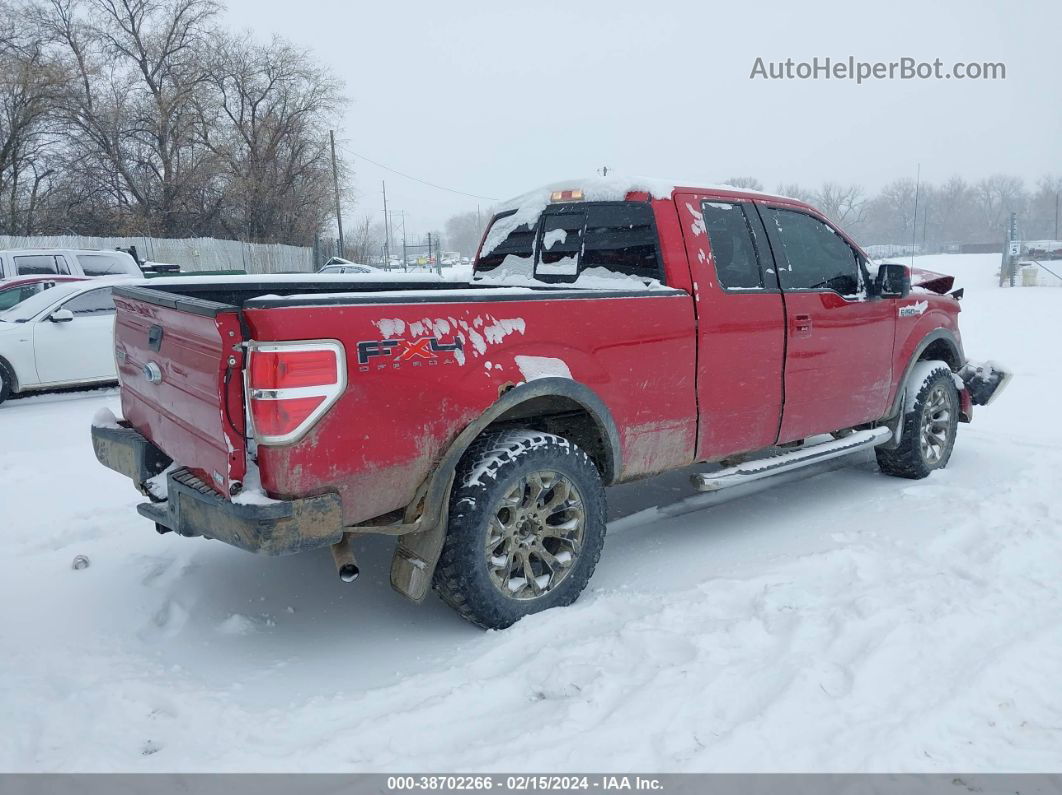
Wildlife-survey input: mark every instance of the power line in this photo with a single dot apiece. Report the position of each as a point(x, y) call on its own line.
point(423, 181)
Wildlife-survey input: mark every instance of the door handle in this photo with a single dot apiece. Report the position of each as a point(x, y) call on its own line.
point(802, 325)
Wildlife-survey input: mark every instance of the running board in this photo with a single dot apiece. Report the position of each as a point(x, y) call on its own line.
point(784, 462)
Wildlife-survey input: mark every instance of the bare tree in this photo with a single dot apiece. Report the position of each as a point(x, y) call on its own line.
point(845, 205)
point(364, 240)
point(795, 191)
point(996, 197)
point(463, 232)
point(745, 183)
point(890, 215)
point(1045, 209)
point(30, 84)
point(266, 117)
point(131, 109)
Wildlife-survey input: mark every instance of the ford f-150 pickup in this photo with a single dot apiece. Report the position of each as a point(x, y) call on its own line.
point(611, 330)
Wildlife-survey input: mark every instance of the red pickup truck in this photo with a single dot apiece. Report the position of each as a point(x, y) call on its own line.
point(611, 331)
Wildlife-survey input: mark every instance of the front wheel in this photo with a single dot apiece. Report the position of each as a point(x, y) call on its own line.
point(928, 428)
point(526, 528)
point(7, 381)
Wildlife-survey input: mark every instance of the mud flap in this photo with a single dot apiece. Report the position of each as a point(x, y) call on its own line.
point(417, 554)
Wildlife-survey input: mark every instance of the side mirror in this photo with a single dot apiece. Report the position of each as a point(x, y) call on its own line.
point(893, 280)
point(61, 316)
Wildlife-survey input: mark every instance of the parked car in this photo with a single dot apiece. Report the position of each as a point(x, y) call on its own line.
point(66, 262)
point(62, 336)
point(15, 291)
point(612, 331)
point(337, 265)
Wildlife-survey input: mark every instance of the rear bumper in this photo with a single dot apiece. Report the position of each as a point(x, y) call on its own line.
point(192, 508)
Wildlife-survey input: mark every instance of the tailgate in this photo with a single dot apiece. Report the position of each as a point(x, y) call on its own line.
point(180, 363)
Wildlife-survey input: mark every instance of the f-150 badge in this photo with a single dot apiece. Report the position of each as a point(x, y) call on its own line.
point(914, 310)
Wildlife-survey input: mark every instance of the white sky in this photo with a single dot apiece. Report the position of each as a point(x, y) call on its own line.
point(496, 98)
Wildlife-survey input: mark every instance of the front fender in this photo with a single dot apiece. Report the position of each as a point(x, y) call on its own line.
point(928, 332)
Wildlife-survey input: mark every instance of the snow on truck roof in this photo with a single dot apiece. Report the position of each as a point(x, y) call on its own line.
point(527, 207)
point(616, 189)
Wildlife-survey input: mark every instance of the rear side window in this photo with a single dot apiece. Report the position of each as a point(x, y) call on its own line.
point(568, 239)
point(562, 242)
point(621, 237)
point(106, 265)
point(733, 247)
point(94, 302)
point(816, 256)
point(506, 239)
point(40, 265)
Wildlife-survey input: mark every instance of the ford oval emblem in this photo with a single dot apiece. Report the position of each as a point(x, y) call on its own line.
point(153, 373)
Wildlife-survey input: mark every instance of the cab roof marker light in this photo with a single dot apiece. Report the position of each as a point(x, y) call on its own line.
point(574, 195)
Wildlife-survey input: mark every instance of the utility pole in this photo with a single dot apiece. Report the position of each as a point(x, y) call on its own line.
point(387, 229)
point(914, 216)
point(335, 184)
point(1058, 194)
point(925, 222)
point(405, 260)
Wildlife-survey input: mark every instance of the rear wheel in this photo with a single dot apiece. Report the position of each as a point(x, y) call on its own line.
point(526, 528)
point(928, 428)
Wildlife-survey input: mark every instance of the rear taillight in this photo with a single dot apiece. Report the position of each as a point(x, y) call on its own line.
point(291, 385)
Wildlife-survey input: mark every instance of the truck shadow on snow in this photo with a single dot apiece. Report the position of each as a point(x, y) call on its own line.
point(296, 607)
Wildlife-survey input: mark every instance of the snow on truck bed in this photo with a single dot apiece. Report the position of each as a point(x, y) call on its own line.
point(844, 622)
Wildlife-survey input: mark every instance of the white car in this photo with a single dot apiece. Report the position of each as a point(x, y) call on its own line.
point(63, 336)
point(67, 262)
point(337, 265)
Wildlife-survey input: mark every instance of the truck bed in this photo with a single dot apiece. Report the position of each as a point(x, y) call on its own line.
point(197, 294)
point(467, 345)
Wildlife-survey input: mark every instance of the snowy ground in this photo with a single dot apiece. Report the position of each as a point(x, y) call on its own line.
point(844, 622)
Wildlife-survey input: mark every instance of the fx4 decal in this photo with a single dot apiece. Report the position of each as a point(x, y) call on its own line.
point(417, 352)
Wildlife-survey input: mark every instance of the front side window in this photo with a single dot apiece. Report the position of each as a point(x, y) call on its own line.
point(37, 265)
point(94, 302)
point(816, 256)
point(733, 247)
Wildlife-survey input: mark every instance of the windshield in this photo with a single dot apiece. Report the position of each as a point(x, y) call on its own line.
point(32, 307)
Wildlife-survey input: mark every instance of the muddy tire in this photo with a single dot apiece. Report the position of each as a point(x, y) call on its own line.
point(928, 428)
point(526, 528)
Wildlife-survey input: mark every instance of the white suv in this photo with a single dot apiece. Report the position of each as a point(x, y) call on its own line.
point(66, 261)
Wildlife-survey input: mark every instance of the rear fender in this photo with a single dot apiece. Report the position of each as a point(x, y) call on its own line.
point(417, 554)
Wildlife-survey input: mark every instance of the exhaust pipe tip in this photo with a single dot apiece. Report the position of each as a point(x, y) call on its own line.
point(346, 563)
